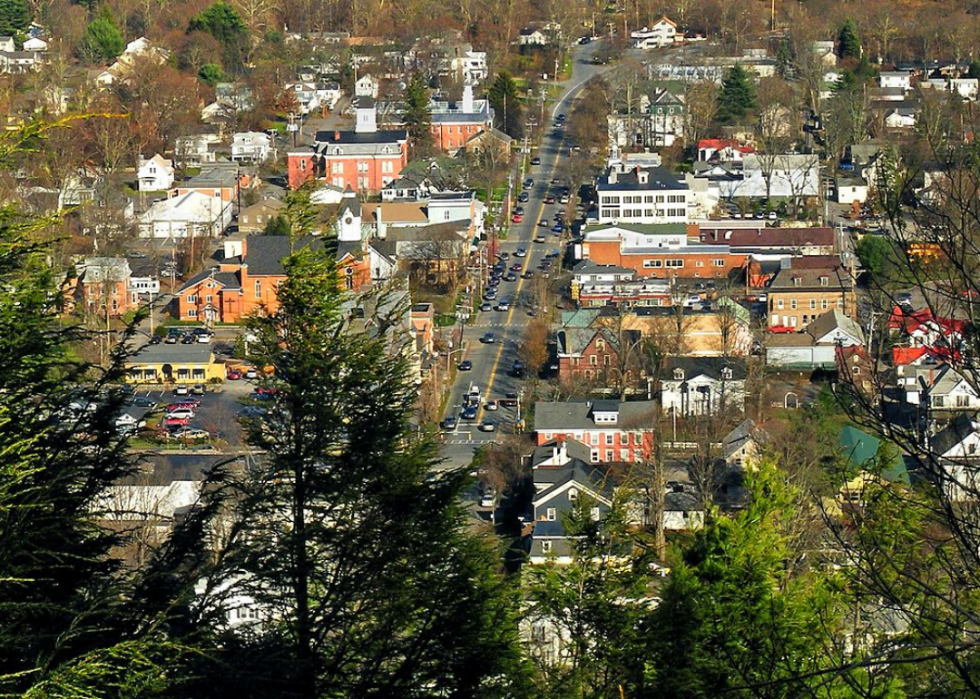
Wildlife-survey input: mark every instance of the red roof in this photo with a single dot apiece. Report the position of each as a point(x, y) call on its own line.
point(901, 356)
point(909, 321)
point(721, 143)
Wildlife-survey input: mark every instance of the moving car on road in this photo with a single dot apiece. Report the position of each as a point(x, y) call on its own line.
point(489, 338)
point(465, 365)
point(521, 252)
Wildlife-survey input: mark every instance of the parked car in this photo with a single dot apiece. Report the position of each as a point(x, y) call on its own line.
point(182, 391)
point(251, 373)
point(466, 365)
point(486, 306)
point(517, 218)
point(523, 197)
point(144, 402)
point(155, 339)
point(198, 389)
point(175, 421)
point(489, 497)
point(233, 375)
point(181, 413)
point(191, 434)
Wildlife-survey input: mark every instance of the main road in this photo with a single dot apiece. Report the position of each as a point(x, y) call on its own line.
point(492, 363)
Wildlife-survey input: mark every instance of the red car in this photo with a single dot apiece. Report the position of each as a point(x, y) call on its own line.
point(234, 375)
point(176, 421)
point(517, 218)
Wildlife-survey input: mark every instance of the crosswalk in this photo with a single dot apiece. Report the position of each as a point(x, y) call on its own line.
point(470, 442)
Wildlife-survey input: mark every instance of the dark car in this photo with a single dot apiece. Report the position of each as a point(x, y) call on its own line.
point(535, 160)
point(518, 370)
point(485, 306)
point(156, 339)
point(557, 228)
point(188, 339)
point(489, 338)
point(469, 413)
point(510, 277)
point(510, 400)
point(503, 255)
point(524, 197)
point(465, 365)
point(549, 199)
point(449, 423)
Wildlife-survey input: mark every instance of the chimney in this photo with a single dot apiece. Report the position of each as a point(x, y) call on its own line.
point(642, 175)
point(613, 176)
point(468, 98)
point(336, 135)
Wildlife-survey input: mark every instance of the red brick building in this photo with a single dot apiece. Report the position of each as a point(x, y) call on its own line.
point(613, 430)
point(452, 124)
point(593, 354)
point(365, 159)
point(662, 251)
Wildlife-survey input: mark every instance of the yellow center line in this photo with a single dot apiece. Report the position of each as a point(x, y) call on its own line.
point(520, 284)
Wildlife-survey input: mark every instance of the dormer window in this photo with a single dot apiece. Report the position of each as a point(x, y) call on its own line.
point(824, 281)
point(572, 494)
point(797, 281)
point(600, 345)
point(726, 373)
point(678, 374)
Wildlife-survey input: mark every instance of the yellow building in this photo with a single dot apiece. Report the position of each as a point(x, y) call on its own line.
point(175, 364)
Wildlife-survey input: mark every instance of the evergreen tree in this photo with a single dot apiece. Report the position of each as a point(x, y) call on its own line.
point(211, 73)
point(737, 96)
point(277, 225)
point(65, 629)
point(417, 115)
point(361, 566)
point(848, 42)
point(102, 40)
point(507, 105)
point(742, 610)
point(15, 17)
point(223, 22)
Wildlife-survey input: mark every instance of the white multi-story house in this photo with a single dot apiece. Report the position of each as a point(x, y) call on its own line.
point(155, 174)
point(661, 34)
point(641, 195)
point(366, 86)
point(657, 123)
point(895, 78)
point(252, 147)
point(703, 385)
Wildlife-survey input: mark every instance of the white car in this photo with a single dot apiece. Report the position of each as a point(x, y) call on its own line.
point(181, 413)
point(692, 300)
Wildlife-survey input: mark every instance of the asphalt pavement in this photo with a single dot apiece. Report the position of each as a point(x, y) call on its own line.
point(493, 362)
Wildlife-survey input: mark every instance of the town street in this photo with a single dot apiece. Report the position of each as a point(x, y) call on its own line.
point(493, 362)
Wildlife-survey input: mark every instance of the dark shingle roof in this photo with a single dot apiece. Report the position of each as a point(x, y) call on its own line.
point(265, 253)
point(705, 366)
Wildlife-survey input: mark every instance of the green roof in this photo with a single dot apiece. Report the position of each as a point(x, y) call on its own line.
point(861, 450)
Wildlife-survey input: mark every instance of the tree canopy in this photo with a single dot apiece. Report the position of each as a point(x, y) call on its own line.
point(507, 105)
point(417, 114)
point(737, 96)
point(102, 41)
point(15, 17)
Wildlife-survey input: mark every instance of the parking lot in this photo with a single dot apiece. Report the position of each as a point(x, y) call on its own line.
point(217, 414)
